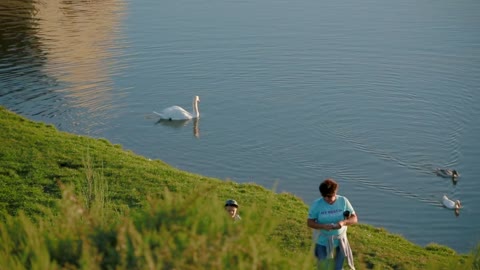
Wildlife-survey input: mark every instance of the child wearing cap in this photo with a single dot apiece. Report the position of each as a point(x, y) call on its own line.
point(231, 206)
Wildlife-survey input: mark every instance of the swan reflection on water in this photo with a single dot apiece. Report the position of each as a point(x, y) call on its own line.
point(182, 123)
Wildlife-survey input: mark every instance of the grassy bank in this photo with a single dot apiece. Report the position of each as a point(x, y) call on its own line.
point(69, 201)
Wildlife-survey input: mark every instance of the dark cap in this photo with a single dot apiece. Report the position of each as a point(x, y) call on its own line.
point(231, 203)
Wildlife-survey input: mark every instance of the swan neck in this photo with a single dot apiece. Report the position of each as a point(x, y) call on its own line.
point(195, 108)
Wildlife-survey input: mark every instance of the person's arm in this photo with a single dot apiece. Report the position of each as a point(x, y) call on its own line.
point(312, 223)
point(352, 219)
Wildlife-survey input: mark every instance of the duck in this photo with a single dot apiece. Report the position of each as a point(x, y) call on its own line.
point(175, 113)
point(447, 173)
point(450, 204)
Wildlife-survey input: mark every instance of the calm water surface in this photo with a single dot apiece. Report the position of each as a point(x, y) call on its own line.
point(374, 94)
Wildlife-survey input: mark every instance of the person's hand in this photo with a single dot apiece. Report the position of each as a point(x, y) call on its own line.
point(331, 226)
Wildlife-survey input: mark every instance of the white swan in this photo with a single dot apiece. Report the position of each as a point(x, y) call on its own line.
point(448, 173)
point(178, 113)
point(450, 204)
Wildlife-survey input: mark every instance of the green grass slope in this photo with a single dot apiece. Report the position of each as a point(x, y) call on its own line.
point(85, 203)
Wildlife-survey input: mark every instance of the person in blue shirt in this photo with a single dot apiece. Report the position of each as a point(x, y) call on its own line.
point(329, 216)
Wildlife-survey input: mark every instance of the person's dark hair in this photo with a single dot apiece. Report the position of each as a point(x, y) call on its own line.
point(327, 187)
point(231, 203)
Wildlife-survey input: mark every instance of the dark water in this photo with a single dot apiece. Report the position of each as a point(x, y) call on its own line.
point(373, 94)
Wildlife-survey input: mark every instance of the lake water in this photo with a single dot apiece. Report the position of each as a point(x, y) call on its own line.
point(374, 94)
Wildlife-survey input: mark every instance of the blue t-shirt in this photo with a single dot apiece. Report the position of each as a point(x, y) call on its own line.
point(324, 212)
